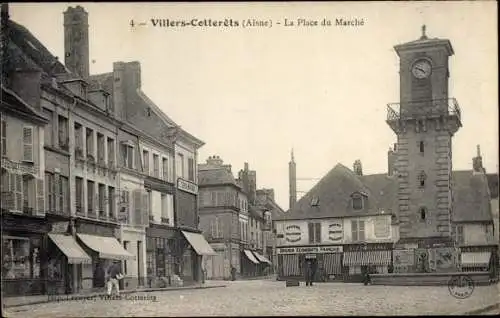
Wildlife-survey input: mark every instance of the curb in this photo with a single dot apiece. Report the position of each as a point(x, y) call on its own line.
point(482, 309)
point(48, 300)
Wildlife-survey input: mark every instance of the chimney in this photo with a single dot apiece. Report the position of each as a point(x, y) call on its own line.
point(76, 41)
point(133, 75)
point(477, 162)
point(215, 161)
point(358, 169)
point(391, 160)
point(292, 181)
point(27, 85)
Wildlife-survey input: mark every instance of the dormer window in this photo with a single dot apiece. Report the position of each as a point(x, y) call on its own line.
point(315, 201)
point(357, 201)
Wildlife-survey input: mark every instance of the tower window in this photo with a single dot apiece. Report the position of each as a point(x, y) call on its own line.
point(423, 212)
point(421, 147)
point(421, 179)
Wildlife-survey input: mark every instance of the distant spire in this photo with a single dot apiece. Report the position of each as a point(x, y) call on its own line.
point(292, 155)
point(478, 150)
point(424, 36)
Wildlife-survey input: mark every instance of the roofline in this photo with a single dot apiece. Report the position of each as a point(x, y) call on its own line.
point(207, 185)
point(34, 116)
point(284, 218)
point(424, 44)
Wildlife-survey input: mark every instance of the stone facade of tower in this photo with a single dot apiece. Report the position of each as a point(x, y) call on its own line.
point(424, 121)
point(76, 41)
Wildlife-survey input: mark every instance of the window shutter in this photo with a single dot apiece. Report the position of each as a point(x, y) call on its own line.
point(9, 200)
point(361, 230)
point(212, 228)
point(354, 230)
point(145, 212)
point(64, 194)
point(137, 207)
point(19, 192)
point(318, 232)
point(220, 228)
point(40, 197)
point(28, 143)
point(311, 232)
point(57, 192)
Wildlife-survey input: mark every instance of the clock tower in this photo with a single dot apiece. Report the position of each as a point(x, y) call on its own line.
point(424, 120)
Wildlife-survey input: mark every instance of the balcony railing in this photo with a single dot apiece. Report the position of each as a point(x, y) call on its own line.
point(428, 108)
point(20, 167)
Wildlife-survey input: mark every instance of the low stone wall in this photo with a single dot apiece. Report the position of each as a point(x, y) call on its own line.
point(426, 279)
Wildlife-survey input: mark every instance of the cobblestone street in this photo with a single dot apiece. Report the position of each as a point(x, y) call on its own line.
point(268, 297)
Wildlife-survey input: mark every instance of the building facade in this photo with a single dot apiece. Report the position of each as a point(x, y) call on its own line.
point(24, 227)
point(94, 192)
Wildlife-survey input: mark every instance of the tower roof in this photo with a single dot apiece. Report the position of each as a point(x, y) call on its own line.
point(424, 43)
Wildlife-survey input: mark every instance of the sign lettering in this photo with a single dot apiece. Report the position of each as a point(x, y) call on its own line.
point(310, 250)
point(187, 186)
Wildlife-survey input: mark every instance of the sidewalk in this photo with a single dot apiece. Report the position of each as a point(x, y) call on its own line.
point(41, 299)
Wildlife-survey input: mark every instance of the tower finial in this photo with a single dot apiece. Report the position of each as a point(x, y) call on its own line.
point(292, 155)
point(478, 150)
point(424, 36)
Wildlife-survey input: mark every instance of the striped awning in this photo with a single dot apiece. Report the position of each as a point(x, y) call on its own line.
point(332, 263)
point(261, 258)
point(475, 258)
point(68, 245)
point(251, 257)
point(367, 258)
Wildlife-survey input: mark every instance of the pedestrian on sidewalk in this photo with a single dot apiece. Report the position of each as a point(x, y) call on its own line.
point(114, 276)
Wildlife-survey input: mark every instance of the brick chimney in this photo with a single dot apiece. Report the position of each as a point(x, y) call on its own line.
point(358, 169)
point(215, 161)
point(249, 181)
point(126, 81)
point(477, 162)
point(76, 41)
point(27, 85)
point(391, 161)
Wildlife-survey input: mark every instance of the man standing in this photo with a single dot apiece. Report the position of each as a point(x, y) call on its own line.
point(114, 275)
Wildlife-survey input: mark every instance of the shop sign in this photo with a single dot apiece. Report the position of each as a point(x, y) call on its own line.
point(187, 186)
point(60, 227)
point(310, 249)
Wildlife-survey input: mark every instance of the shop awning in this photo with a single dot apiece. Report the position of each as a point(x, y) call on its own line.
point(198, 243)
point(471, 259)
point(360, 258)
point(251, 257)
point(69, 247)
point(107, 247)
point(261, 258)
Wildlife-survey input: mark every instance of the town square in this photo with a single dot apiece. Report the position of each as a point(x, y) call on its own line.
point(224, 160)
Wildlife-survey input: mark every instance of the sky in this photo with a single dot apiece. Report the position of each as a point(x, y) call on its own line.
point(252, 94)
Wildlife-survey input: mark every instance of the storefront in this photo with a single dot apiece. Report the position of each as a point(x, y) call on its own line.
point(193, 252)
point(479, 259)
point(265, 264)
point(66, 258)
point(326, 261)
point(362, 258)
point(161, 261)
point(249, 263)
point(24, 246)
point(98, 240)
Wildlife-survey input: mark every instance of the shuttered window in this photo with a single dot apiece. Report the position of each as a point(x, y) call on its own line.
point(191, 169)
point(146, 211)
point(137, 207)
point(90, 197)
point(111, 203)
point(79, 194)
point(40, 197)
point(28, 143)
point(16, 188)
point(49, 192)
point(4, 137)
point(111, 152)
point(314, 232)
point(358, 230)
point(64, 195)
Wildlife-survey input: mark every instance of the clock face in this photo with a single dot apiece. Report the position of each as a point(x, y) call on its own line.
point(421, 69)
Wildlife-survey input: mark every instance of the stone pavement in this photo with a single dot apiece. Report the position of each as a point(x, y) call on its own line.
point(267, 297)
point(39, 299)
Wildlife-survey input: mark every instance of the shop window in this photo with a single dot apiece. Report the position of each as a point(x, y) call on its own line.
point(16, 258)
